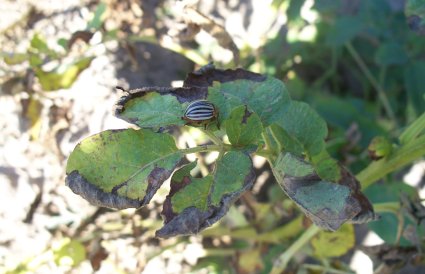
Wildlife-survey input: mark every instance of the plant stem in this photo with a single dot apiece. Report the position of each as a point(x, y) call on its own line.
point(266, 153)
point(203, 148)
point(281, 262)
point(397, 159)
point(324, 269)
point(389, 207)
point(213, 137)
point(381, 93)
point(413, 130)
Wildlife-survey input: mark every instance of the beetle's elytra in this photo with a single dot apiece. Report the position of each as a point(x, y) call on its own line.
point(200, 113)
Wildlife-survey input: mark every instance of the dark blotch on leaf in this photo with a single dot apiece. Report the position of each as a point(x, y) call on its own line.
point(192, 220)
point(156, 178)
point(167, 210)
point(205, 76)
point(79, 185)
point(353, 208)
point(246, 115)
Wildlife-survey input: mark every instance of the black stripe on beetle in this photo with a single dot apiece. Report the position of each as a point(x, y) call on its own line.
point(200, 113)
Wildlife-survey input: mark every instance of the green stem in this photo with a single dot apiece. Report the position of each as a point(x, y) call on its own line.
point(213, 137)
point(266, 153)
point(323, 269)
point(281, 263)
point(381, 93)
point(413, 130)
point(397, 159)
point(389, 207)
point(203, 148)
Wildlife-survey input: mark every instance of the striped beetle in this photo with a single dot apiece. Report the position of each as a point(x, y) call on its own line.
point(200, 113)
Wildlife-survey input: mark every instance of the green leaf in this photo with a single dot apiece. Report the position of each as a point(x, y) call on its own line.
point(97, 20)
point(341, 113)
point(15, 58)
point(128, 164)
point(344, 29)
point(387, 226)
point(196, 203)
point(35, 60)
point(291, 165)
point(243, 127)
point(69, 253)
point(226, 89)
point(38, 45)
point(303, 124)
point(414, 80)
point(333, 244)
point(153, 110)
point(328, 204)
point(230, 174)
point(195, 194)
point(265, 98)
point(390, 54)
point(326, 167)
point(59, 80)
point(63, 43)
point(284, 141)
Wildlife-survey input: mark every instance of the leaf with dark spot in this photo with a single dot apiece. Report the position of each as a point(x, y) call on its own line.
point(328, 204)
point(163, 107)
point(194, 204)
point(122, 168)
point(243, 127)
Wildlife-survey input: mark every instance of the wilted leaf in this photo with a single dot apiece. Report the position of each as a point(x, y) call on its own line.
point(58, 80)
point(121, 168)
point(196, 203)
point(243, 127)
point(327, 204)
point(69, 253)
point(334, 244)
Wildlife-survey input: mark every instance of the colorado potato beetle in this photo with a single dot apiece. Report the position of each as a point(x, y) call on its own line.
point(200, 113)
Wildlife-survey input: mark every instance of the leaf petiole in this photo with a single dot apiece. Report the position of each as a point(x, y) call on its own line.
point(283, 260)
